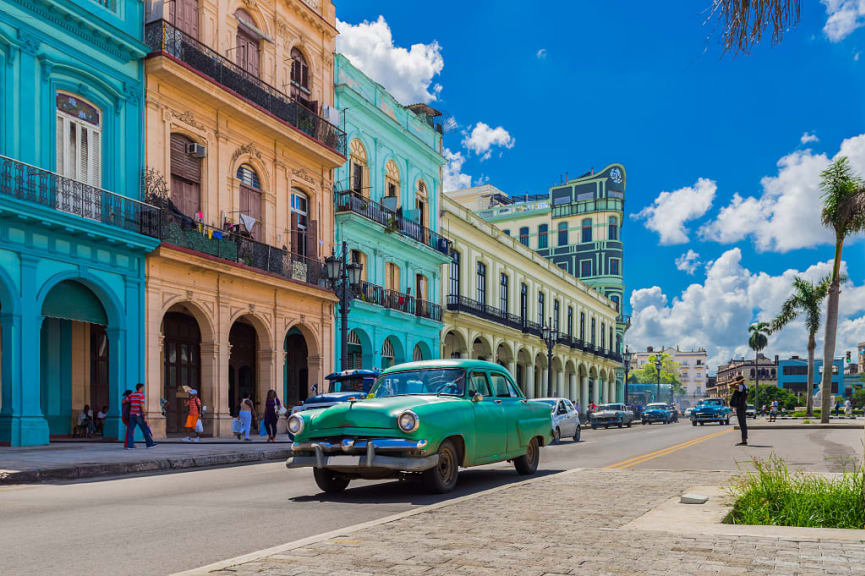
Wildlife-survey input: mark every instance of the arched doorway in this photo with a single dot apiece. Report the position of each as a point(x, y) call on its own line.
point(504, 357)
point(355, 350)
point(421, 352)
point(242, 376)
point(181, 366)
point(296, 376)
point(524, 365)
point(481, 349)
point(454, 345)
point(75, 356)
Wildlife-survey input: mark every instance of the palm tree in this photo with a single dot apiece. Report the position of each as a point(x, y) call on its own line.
point(744, 21)
point(758, 340)
point(807, 299)
point(843, 212)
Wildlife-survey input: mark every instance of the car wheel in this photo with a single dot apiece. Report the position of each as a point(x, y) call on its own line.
point(442, 477)
point(619, 424)
point(329, 481)
point(557, 435)
point(628, 424)
point(577, 434)
point(528, 463)
point(606, 426)
point(594, 427)
point(693, 422)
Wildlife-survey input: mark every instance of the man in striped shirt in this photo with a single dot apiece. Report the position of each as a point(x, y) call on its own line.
point(136, 418)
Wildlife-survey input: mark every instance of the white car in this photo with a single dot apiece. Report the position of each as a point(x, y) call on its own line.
point(566, 419)
point(750, 411)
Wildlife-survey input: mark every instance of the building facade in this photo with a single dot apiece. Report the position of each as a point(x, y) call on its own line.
point(240, 155)
point(793, 376)
point(766, 369)
point(692, 369)
point(387, 212)
point(499, 294)
point(73, 235)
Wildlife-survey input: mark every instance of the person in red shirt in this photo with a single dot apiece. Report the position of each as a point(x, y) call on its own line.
point(137, 418)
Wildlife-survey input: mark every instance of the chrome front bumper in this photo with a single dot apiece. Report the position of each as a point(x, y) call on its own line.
point(357, 455)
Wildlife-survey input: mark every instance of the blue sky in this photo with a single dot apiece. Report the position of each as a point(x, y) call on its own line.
point(619, 81)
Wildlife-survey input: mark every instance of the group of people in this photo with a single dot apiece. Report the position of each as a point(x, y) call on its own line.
point(245, 420)
point(89, 425)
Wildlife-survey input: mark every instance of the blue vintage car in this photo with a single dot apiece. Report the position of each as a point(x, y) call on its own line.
point(658, 412)
point(711, 410)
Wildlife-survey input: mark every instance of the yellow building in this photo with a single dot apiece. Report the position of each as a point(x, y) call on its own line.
point(241, 158)
point(499, 296)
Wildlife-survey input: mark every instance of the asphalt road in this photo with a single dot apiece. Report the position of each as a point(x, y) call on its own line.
point(164, 523)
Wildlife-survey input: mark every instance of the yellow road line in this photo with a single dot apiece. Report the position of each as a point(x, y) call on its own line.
point(664, 451)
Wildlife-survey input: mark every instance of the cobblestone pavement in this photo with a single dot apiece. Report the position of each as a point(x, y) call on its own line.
point(564, 524)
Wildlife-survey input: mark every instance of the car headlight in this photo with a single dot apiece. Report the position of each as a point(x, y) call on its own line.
point(408, 421)
point(295, 424)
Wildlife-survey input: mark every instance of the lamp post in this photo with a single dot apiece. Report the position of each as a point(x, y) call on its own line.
point(344, 277)
point(658, 365)
point(626, 363)
point(550, 336)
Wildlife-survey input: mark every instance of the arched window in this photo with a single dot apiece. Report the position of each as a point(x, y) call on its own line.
point(246, 43)
point(355, 350)
point(417, 354)
point(613, 228)
point(420, 203)
point(615, 300)
point(392, 183)
point(250, 199)
point(586, 230)
point(301, 88)
point(387, 354)
point(79, 139)
point(359, 176)
point(563, 233)
point(185, 176)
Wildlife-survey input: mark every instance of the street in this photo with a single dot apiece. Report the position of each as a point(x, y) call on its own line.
point(165, 523)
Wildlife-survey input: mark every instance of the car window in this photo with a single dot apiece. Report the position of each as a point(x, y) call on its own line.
point(501, 386)
point(562, 408)
point(478, 383)
point(569, 406)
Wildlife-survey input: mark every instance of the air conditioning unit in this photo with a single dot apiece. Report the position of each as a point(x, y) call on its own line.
point(196, 150)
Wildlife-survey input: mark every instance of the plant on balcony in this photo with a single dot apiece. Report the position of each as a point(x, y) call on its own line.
point(392, 225)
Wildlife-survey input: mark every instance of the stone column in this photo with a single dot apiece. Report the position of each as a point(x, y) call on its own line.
point(543, 383)
point(214, 392)
point(596, 389)
point(573, 393)
point(530, 382)
point(266, 367)
point(560, 384)
point(584, 393)
point(117, 351)
point(512, 368)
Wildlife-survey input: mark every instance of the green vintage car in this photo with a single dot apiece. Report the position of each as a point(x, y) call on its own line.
point(423, 418)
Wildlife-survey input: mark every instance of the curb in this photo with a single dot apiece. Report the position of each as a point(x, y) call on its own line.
point(252, 556)
point(830, 426)
point(84, 471)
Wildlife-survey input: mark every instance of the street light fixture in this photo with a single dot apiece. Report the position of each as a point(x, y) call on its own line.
point(626, 364)
point(658, 365)
point(550, 336)
point(344, 277)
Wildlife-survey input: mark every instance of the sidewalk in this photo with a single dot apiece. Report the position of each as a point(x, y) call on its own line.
point(763, 423)
point(569, 523)
point(65, 460)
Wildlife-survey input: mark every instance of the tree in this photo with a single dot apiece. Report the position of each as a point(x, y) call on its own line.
point(758, 340)
point(786, 399)
point(807, 299)
point(858, 399)
point(844, 212)
point(744, 21)
point(648, 374)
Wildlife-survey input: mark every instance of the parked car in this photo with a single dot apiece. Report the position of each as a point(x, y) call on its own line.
point(611, 415)
point(658, 412)
point(341, 387)
point(422, 418)
point(750, 411)
point(688, 412)
point(566, 419)
point(711, 410)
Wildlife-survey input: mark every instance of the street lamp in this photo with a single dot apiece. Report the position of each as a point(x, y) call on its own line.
point(658, 365)
point(626, 362)
point(344, 277)
point(550, 336)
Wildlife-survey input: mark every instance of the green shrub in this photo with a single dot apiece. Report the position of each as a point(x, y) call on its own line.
point(772, 495)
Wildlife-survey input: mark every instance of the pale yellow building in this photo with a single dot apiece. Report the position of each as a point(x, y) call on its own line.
point(500, 294)
point(693, 370)
point(241, 147)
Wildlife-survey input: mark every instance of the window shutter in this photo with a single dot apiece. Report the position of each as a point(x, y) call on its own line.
point(61, 149)
point(94, 159)
point(294, 234)
point(250, 204)
point(312, 240)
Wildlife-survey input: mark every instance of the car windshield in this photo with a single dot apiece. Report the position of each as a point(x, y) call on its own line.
point(609, 407)
point(656, 406)
point(449, 381)
point(351, 384)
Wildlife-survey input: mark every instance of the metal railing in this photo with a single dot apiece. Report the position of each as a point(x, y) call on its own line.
point(184, 232)
point(350, 201)
point(32, 184)
point(457, 303)
point(401, 301)
point(585, 206)
point(162, 37)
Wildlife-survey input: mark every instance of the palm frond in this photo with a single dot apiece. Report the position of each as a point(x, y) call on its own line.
point(843, 195)
point(745, 21)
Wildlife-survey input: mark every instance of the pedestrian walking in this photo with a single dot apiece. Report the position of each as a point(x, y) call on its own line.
point(272, 407)
point(193, 417)
point(773, 411)
point(124, 416)
point(245, 415)
point(837, 408)
point(848, 408)
point(137, 418)
point(739, 401)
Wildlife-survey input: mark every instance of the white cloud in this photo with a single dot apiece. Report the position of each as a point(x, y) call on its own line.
point(688, 262)
point(808, 137)
point(481, 138)
point(406, 74)
point(454, 179)
point(716, 314)
point(541, 54)
point(786, 215)
point(844, 16)
point(670, 210)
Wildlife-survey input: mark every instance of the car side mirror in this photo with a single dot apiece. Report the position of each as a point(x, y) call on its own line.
point(477, 397)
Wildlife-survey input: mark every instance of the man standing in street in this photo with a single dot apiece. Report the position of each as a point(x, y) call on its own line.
point(739, 401)
point(136, 418)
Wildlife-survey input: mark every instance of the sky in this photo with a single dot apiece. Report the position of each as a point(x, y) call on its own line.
point(722, 152)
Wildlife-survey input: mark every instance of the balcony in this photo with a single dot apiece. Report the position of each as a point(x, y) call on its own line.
point(236, 248)
point(163, 38)
point(586, 206)
point(350, 201)
point(401, 301)
point(624, 319)
point(37, 186)
point(491, 313)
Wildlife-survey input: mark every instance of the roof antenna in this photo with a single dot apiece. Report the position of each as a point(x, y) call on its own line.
point(566, 175)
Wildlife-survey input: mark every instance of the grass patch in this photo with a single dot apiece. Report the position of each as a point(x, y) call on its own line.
point(774, 496)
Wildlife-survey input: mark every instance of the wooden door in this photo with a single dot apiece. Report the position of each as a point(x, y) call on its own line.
point(185, 177)
point(247, 51)
point(186, 16)
point(250, 204)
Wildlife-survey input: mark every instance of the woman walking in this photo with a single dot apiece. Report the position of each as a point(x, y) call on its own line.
point(271, 414)
point(245, 415)
point(193, 408)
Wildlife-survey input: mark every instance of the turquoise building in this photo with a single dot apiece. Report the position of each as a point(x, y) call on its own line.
point(387, 211)
point(73, 235)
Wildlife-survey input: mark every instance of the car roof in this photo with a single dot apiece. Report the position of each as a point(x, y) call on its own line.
point(446, 363)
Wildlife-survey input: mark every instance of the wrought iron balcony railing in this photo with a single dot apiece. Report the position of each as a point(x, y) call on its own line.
point(401, 301)
point(584, 206)
point(184, 232)
point(163, 38)
point(31, 184)
point(462, 304)
point(350, 201)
